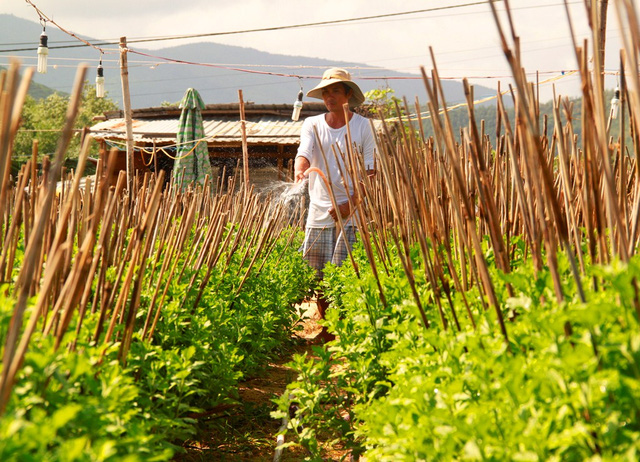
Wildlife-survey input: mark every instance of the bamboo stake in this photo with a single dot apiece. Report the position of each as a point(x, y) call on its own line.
point(460, 184)
point(245, 148)
point(144, 229)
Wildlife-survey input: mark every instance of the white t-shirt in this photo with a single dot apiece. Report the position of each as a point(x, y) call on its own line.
point(320, 197)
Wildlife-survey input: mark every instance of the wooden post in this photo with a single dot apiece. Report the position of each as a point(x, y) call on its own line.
point(126, 98)
point(602, 35)
point(245, 148)
point(155, 159)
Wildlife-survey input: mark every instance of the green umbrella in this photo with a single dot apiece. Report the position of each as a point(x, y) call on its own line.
point(193, 153)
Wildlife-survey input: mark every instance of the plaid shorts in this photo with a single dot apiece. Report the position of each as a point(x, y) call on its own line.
point(322, 246)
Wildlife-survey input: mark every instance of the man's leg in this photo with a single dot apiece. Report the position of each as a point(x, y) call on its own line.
point(318, 250)
point(323, 304)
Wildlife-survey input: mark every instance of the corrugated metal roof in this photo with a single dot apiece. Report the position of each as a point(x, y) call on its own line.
point(262, 130)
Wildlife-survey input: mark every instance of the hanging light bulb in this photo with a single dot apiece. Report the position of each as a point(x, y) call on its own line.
point(43, 53)
point(100, 81)
point(297, 106)
point(615, 103)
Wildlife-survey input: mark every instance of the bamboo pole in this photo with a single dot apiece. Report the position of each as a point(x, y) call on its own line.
point(126, 103)
point(245, 147)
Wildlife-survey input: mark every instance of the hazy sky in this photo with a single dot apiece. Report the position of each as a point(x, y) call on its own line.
point(463, 36)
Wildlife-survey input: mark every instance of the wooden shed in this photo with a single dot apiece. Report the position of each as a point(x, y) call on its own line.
point(272, 136)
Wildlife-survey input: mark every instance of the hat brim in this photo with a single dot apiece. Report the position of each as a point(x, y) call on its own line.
point(357, 98)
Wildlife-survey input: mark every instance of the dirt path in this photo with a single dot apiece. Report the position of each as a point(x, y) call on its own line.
point(249, 432)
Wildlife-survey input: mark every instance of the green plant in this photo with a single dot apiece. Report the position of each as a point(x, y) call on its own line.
point(553, 393)
point(81, 403)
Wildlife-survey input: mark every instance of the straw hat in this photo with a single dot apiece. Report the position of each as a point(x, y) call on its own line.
point(335, 75)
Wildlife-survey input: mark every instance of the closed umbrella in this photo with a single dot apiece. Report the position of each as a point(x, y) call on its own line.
point(193, 154)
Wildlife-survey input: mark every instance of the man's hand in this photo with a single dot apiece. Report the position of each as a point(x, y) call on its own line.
point(302, 164)
point(345, 211)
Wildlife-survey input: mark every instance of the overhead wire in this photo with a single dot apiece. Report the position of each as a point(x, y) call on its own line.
point(114, 41)
point(267, 29)
point(44, 17)
point(251, 71)
point(245, 31)
point(235, 68)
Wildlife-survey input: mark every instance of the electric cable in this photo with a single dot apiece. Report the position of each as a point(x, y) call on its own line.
point(264, 29)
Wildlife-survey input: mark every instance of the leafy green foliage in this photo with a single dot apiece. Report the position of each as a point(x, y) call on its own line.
point(412, 393)
point(84, 405)
point(76, 406)
point(43, 119)
point(487, 112)
point(383, 101)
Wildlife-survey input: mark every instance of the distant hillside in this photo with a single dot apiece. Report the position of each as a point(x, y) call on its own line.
point(460, 119)
point(37, 90)
point(151, 85)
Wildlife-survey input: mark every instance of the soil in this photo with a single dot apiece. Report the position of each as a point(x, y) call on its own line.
point(248, 433)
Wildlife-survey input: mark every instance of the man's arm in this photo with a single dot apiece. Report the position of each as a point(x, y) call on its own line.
point(305, 151)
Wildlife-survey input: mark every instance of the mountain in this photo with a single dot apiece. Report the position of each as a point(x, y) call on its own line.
point(154, 81)
point(36, 90)
point(39, 91)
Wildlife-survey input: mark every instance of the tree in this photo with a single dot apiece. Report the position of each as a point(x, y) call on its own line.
point(43, 120)
point(383, 102)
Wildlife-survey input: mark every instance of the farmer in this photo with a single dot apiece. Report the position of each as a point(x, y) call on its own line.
point(327, 133)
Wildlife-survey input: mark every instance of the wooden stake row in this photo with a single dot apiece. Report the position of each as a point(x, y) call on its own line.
point(459, 198)
point(93, 248)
